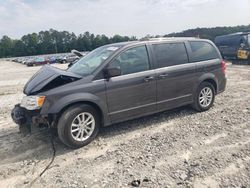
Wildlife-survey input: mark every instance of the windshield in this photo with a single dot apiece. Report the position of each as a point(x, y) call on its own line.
point(89, 63)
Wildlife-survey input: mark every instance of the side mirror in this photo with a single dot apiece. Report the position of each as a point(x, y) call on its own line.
point(112, 72)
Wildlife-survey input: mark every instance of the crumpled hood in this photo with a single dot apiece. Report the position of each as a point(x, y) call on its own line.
point(48, 77)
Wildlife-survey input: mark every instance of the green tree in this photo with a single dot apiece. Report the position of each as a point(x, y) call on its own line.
point(19, 48)
point(30, 42)
point(6, 47)
point(53, 41)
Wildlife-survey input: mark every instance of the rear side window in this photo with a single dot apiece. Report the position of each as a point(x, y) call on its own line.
point(169, 54)
point(201, 51)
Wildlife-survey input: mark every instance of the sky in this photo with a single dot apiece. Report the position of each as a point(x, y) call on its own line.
point(125, 17)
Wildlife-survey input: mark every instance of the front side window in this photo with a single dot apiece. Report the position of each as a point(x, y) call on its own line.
point(132, 60)
point(169, 54)
point(89, 63)
point(202, 51)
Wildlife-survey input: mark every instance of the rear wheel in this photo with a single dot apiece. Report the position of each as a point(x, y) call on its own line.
point(204, 97)
point(78, 125)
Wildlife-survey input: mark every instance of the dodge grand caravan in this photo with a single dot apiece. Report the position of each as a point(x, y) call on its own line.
point(121, 81)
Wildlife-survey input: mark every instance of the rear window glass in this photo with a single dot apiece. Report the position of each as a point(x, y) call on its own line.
point(169, 54)
point(201, 51)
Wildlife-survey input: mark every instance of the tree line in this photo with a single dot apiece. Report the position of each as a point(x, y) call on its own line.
point(210, 33)
point(52, 41)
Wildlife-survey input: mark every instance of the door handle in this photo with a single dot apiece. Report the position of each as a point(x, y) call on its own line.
point(162, 76)
point(149, 78)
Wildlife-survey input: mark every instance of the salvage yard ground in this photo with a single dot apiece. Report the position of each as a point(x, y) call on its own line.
point(177, 148)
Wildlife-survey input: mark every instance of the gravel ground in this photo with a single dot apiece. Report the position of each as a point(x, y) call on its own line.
point(177, 148)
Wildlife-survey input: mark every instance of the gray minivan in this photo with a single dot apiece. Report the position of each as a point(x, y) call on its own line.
point(119, 82)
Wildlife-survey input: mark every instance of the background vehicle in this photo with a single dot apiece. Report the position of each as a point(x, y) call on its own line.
point(68, 58)
point(122, 81)
point(52, 59)
point(234, 46)
point(37, 61)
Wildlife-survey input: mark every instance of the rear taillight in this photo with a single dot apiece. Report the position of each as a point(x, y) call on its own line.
point(223, 66)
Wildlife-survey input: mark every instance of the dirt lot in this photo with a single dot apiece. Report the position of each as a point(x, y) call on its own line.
point(178, 148)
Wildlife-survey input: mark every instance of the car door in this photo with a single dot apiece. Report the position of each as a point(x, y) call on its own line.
point(176, 76)
point(133, 93)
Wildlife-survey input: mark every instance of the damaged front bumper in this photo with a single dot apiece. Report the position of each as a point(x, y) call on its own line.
point(28, 118)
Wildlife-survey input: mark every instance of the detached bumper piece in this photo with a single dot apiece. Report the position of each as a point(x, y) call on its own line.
point(27, 120)
point(18, 115)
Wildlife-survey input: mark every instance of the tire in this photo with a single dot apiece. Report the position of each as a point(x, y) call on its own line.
point(200, 105)
point(69, 125)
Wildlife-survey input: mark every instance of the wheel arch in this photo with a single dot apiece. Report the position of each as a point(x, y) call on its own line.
point(92, 104)
point(58, 107)
point(210, 78)
point(213, 82)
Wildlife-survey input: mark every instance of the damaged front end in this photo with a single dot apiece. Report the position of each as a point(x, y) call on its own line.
point(28, 120)
point(27, 113)
point(47, 78)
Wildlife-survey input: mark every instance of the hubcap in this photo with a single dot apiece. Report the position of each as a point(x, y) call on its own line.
point(206, 97)
point(82, 126)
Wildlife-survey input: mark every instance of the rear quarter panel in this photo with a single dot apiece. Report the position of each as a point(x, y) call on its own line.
point(209, 69)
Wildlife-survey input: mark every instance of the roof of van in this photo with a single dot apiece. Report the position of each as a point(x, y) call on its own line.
point(239, 33)
point(155, 40)
point(170, 38)
point(234, 34)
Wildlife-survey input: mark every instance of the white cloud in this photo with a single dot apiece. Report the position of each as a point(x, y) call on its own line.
point(130, 17)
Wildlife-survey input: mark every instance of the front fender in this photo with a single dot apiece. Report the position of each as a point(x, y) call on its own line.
point(55, 106)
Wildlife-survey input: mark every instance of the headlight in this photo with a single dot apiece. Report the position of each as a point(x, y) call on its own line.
point(32, 102)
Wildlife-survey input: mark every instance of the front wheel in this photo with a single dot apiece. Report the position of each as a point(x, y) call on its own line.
point(204, 97)
point(78, 125)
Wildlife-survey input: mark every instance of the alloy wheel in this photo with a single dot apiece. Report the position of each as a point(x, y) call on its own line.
point(82, 126)
point(205, 97)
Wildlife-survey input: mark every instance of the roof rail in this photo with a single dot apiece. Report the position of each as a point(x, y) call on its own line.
point(240, 33)
point(168, 38)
